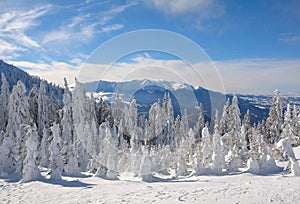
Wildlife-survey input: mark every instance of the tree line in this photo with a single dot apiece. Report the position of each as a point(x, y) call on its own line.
point(81, 135)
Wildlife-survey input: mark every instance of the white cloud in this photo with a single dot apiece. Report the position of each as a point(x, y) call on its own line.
point(53, 72)
point(6, 47)
point(31, 65)
point(290, 37)
point(13, 28)
point(85, 27)
point(202, 8)
point(256, 76)
point(260, 75)
point(113, 27)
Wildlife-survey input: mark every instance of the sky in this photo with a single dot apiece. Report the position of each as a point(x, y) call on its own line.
point(248, 46)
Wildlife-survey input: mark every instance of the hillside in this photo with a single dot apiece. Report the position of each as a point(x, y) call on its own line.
point(13, 74)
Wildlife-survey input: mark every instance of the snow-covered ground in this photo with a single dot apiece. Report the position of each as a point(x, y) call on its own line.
point(237, 188)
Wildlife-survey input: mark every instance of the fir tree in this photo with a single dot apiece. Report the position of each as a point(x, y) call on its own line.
point(56, 160)
point(18, 118)
point(4, 98)
point(30, 170)
point(200, 124)
point(218, 160)
point(274, 121)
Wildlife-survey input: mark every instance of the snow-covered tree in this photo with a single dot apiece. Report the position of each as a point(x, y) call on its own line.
point(200, 123)
point(286, 148)
point(117, 113)
point(218, 159)
point(146, 165)
point(287, 131)
point(296, 125)
point(18, 118)
point(107, 158)
point(206, 147)
point(4, 98)
point(224, 119)
point(274, 121)
point(43, 118)
point(155, 123)
point(30, 170)
point(235, 141)
point(44, 153)
point(6, 163)
point(56, 160)
point(33, 103)
point(247, 126)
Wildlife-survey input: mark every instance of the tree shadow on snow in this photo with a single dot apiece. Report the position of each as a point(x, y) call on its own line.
point(12, 178)
point(64, 183)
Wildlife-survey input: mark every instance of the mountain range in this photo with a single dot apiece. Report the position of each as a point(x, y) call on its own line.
point(146, 92)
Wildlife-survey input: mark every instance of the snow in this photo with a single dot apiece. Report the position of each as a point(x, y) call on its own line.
point(234, 188)
point(239, 188)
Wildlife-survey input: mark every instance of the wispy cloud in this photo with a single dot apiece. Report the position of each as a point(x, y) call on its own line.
point(197, 11)
point(290, 37)
point(113, 27)
point(180, 7)
point(14, 26)
point(85, 27)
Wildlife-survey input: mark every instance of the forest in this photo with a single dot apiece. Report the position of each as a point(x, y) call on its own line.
point(78, 134)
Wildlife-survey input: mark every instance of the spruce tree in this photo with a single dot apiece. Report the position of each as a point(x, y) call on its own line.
point(274, 121)
point(4, 98)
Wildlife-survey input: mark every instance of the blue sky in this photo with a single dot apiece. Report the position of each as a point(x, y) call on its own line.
point(255, 45)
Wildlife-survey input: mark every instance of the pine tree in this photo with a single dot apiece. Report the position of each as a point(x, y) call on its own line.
point(30, 170)
point(71, 144)
point(296, 125)
point(253, 163)
point(218, 160)
point(44, 153)
point(200, 124)
point(206, 147)
point(18, 118)
point(33, 103)
point(117, 113)
point(181, 169)
point(43, 111)
point(224, 119)
point(146, 165)
point(247, 126)
point(155, 123)
point(287, 131)
point(4, 98)
point(274, 121)
point(235, 154)
point(56, 160)
point(6, 162)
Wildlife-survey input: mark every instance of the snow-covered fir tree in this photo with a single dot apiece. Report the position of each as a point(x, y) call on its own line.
point(36, 130)
point(275, 120)
point(30, 171)
point(18, 118)
point(72, 148)
point(287, 130)
point(4, 98)
point(43, 119)
point(56, 159)
point(218, 159)
point(200, 123)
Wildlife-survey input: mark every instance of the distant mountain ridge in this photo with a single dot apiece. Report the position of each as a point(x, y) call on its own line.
point(147, 92)
point(14, 74)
